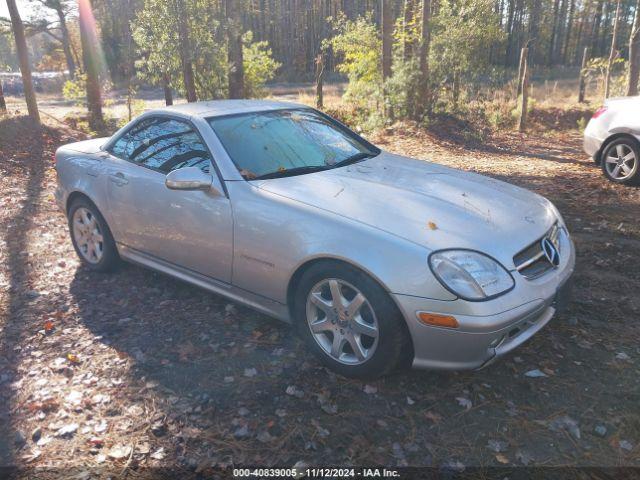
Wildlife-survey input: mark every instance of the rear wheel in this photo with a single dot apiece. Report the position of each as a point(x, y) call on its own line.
point(621, 161)
point(91, 236)
point(349, 321)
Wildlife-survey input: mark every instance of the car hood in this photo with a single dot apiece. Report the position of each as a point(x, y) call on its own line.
point(426, 203)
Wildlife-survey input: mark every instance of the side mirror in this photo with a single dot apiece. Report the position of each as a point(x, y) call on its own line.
point(188, 178)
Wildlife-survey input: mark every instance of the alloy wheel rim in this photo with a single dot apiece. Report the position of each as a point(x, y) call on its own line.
point(342, 321)
point(620, 162)
point(88, 236)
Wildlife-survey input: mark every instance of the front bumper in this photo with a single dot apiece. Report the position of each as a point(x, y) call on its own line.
point(481, 338)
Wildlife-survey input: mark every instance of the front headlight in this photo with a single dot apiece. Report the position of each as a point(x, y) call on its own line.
point(470, 275)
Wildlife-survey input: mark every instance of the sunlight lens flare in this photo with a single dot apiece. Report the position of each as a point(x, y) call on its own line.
point(95, 58)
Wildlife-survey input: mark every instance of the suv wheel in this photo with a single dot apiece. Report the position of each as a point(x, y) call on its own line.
point(621, 161)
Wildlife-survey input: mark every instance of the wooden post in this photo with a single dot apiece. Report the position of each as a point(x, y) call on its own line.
point(3, 104)
point(582, 88)
point(523, 55)
point(522, 123)
point(319, 80)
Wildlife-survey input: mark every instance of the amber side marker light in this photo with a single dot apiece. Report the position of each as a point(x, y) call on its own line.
point(438, 320)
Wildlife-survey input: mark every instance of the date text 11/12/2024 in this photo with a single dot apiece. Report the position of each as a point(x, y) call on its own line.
point(318, 472)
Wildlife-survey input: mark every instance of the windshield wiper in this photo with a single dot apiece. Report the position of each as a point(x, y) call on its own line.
point(293, 171)
point(353, 159)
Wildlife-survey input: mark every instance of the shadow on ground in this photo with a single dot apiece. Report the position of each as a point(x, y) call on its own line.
point(17, 265)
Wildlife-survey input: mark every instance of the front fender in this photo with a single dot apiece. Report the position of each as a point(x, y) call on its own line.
point(275, 236)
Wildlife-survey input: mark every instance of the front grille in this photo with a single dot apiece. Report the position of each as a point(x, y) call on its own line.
point(532, 261)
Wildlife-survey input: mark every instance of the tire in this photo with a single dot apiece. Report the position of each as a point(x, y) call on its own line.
point(620, 161)
point(379, 353)
point(91, 237)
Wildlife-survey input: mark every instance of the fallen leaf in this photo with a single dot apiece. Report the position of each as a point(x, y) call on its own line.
point(434, 417)
point(101, 427)
point(67, 430)
point(185, 351)
point(250, 372)
point(432, 226)
point(96, 442)
point(294, 391)
point(73, 358)
point(118, 452)
point(370, 389)
point(158, 454)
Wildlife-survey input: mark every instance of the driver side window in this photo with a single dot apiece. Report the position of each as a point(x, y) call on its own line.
point(163, 144)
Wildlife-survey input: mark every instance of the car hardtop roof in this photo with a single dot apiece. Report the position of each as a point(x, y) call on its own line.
point(216, 108)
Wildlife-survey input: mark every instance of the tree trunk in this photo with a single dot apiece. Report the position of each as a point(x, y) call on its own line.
point(188, 77)
point(91, 66)
point(534, 31)
point(634, 54)
point(407, 27)
point(168, 94)
point(576, 57)
point(23, 56)
point(567, 39)
point(387, 40)
point(554, 33)
point(613, 53)
point(424, 95)
point(456, 88)
point(66, 43)
point(582, 88)
point(510, 41)
point(595, 28)
point(3, 104)
point(319, 80)
point(236, 67)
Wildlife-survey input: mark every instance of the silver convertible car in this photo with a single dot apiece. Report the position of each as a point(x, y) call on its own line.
point(378, 260)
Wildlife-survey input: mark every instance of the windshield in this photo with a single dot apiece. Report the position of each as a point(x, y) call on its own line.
point(287, 142)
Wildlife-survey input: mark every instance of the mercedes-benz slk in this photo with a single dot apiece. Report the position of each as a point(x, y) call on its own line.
point(377, 259)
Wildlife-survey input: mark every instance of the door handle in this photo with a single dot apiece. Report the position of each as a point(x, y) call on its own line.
point(119, 179)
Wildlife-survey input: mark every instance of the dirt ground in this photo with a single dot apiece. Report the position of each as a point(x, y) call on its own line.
point(134, 370)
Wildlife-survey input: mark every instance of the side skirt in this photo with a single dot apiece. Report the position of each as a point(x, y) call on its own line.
point(252, 300)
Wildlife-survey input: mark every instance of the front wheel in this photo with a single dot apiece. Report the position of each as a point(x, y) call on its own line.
point(349, 321)
point(621, 161)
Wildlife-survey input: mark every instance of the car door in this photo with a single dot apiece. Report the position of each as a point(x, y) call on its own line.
point(191, 229)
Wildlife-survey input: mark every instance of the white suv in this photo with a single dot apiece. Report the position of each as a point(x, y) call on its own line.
point(612, 138)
